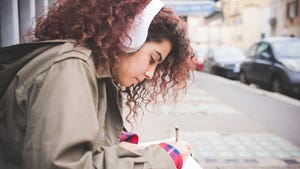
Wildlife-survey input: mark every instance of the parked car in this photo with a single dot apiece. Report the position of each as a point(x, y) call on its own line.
point(224, 61)
point(274, 63)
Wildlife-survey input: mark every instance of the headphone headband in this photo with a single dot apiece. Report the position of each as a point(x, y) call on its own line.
point(138, 31)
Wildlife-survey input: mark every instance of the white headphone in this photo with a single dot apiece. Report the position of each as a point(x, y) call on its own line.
point(138, 31)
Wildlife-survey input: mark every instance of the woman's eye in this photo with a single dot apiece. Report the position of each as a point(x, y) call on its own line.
point(152, 61)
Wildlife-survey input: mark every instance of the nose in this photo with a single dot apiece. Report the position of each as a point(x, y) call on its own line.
point(149, 73)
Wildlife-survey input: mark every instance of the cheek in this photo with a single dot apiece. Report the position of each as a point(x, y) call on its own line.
point(138, 65)
point(140, 68)
point(132, 66)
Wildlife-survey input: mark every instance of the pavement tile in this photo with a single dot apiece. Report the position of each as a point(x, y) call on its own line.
point(256, 150)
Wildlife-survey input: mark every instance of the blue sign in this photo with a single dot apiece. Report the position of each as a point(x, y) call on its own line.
point(193, 9)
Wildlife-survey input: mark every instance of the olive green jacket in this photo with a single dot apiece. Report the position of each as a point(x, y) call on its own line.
point(58, 112)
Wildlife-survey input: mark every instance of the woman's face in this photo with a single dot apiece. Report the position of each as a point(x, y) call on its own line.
point(135, 67)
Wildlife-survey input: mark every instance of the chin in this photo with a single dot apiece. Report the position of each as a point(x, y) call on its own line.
point(126, 84)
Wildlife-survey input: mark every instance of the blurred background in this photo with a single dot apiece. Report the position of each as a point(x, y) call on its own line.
point(211, 22)
point(242, 107)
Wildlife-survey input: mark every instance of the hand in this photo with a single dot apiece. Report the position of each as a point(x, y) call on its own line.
point(183, 147)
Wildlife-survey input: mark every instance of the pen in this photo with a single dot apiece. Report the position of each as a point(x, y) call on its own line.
point(176, 133)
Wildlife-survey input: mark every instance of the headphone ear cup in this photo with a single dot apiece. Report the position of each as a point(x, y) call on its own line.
point(138, 32)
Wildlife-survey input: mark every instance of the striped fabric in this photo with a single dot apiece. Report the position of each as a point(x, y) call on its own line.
point(174, 153)
point(129, 137)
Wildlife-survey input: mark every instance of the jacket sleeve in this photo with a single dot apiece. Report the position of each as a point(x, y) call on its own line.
point(115, 157)
point(62, 125)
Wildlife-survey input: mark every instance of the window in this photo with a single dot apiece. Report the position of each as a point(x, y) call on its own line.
point(251, 52)
point(263, 47)
point(292, 10)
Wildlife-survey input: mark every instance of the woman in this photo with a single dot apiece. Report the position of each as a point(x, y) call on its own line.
point(63, 108)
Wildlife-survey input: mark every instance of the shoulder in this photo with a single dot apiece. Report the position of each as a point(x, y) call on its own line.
point(60, 54)
point(72, 50)
point(59, 57)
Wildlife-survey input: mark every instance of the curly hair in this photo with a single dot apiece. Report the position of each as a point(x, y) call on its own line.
point(100, 23)
point(174, 71)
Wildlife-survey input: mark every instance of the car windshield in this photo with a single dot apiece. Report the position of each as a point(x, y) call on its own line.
point(229, 52)
point(287, 49)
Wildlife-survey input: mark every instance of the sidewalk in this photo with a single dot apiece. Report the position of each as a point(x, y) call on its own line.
point(221, 136)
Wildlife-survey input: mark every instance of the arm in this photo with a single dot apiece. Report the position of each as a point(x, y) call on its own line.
point(62, 117)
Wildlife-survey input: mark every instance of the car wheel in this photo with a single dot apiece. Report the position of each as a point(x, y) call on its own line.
point(277, 85)
point(243, 78)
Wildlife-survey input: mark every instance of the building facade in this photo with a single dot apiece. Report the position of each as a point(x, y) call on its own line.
point(285, 18)
point(246, 21)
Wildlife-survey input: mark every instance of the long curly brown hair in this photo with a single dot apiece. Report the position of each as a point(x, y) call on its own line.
point(100, 23)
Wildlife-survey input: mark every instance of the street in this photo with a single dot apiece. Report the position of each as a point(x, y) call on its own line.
point(277, 112)
point(230, 125)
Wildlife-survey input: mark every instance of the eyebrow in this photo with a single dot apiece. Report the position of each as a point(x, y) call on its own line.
point(160, 56)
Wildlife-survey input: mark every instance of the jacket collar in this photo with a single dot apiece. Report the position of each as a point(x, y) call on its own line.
point(103, 74)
